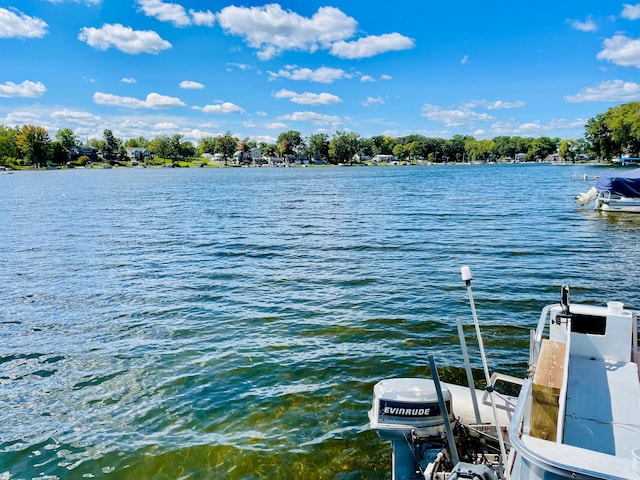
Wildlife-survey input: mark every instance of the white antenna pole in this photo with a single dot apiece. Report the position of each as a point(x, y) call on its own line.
point(465, 272)
point(467, 367)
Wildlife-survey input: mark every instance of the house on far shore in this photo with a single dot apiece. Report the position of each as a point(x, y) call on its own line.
point(553, 158)
point(256, 155)
point(138, 154)
point(241, 158)
point(78, 151)
point(384, 158)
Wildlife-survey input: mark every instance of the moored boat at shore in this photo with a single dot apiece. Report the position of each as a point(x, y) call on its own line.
point(618, 192)
point(577, 414)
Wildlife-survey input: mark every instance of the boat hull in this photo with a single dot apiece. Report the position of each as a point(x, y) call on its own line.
point(614, 203)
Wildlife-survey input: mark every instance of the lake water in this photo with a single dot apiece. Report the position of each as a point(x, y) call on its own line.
point(231, 323)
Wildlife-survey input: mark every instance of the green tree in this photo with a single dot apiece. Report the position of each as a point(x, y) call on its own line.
point(207, 145)
point(567, 150)
point(268, 149)
point(290, 143)
point(318, 146)
point(187, 149)
point(226, 145)
point(481, 150)
point(598, 134)
point(8, 145)
point(111, 143)
point(414, 146)
point(454, 149)
point(434, 149)
point(384, 144)
point(583, 148)
point(137, 142)
point(97, 143)
point(504, 147)
point(161, 146)
point(343, 146)
point(542, 147)
point(623, 122)
point(366, 147)
point(413, 150)
point(249, 144)
point(59, 153)
point(399, 151)
point(176, 146)
point(35, 145)
point(66, 138)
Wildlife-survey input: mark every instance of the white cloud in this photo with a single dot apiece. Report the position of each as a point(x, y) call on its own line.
point(373, 101)
point(165, 12)
point(500, 105)
point(530, 128)
point(153, 101)
point(385, 77)
point(495, 105)
point(320, 75)
point(190, 85)
point(206, 19)
point(175, 13)
point(124, 39)
point(454, 117)
point(308, 98)
point(88, 2)
point(197, 134)
point(21, 118)
point(224, 108)
point(241, 66)
point(535, 128)
point(276, 126)
point(367, 78)
point(272, 30)
point(621, 50)
point(372, 45)
point(587, 26)
point(609, 91)
point(631, 12)
point(128, 80)
point(15, 24)
point(25, 89)
point(264, 138)
point(76, 117)
point(313, 117)
point(166, 126)
point(465, 60)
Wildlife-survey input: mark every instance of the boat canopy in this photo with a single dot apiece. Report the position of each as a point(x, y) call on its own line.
point(626, 184)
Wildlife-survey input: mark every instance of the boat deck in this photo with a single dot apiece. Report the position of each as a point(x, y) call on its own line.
point(613, 427)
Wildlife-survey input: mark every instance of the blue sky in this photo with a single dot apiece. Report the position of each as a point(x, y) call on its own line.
point(203, 67)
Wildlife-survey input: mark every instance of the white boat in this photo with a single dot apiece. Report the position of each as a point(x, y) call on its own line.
point(614, 192)
point(577, 415)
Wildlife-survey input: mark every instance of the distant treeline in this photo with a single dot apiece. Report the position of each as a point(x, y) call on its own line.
point(611, 134)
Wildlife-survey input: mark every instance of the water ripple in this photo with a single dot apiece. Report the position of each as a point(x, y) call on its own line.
point(231, 323)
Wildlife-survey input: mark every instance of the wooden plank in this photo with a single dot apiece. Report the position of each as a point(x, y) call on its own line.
point(547, 383)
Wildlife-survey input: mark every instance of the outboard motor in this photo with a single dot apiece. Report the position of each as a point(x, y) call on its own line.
point(406, 412)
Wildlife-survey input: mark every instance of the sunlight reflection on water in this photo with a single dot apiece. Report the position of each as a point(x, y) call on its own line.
point(231, 323)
